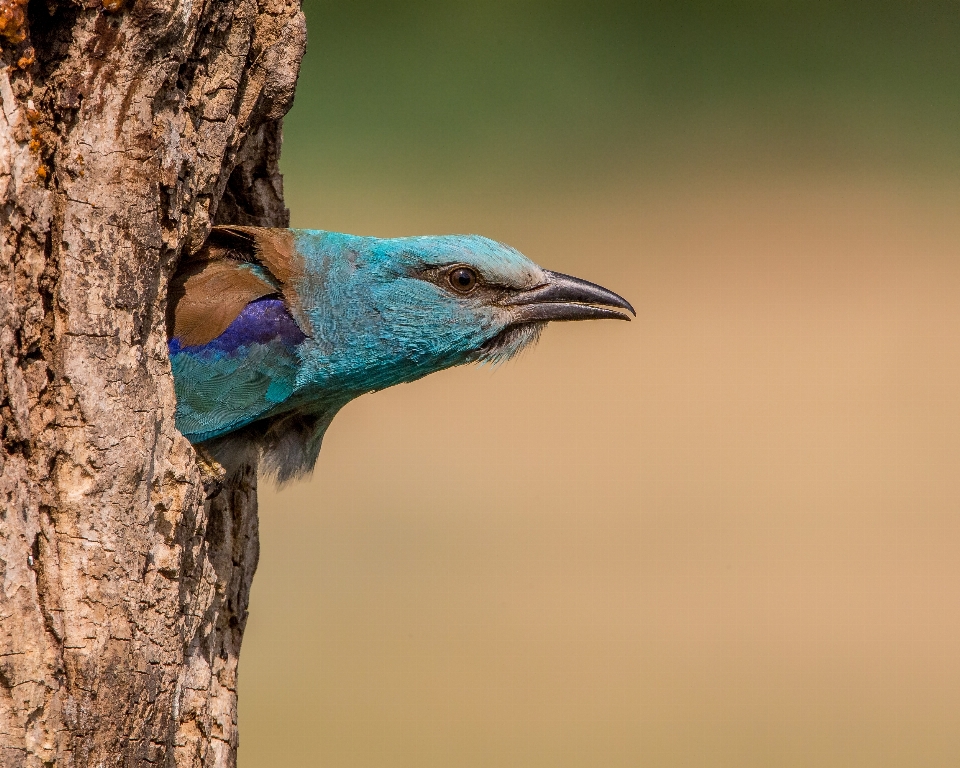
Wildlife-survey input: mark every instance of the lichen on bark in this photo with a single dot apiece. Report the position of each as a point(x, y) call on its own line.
point(125, 562)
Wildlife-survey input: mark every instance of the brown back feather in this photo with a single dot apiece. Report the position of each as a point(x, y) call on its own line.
point(212, 287)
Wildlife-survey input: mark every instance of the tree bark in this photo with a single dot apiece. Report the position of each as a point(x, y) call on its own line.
point(127, 128)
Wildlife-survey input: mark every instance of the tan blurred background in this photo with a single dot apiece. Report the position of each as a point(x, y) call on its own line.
point(727, 534)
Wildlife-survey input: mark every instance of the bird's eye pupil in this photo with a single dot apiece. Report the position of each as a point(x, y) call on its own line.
point(463, 279)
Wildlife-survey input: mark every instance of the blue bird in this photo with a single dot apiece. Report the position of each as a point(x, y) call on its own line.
point(272, 331)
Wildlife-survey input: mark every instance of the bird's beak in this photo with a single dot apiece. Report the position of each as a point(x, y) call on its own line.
point(564, 297)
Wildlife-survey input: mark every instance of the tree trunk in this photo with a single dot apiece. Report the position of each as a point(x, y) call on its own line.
point(126, 130)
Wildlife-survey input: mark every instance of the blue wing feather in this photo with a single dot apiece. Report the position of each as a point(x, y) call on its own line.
point(243, 374)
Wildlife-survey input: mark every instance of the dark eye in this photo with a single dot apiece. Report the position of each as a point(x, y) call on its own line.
point(463, 279)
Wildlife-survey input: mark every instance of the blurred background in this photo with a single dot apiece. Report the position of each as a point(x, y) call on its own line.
point(726, 534)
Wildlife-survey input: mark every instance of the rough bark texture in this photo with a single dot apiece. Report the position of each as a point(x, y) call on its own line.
point(127, 128)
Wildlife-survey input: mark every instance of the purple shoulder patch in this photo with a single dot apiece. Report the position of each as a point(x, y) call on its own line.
point(260, 322)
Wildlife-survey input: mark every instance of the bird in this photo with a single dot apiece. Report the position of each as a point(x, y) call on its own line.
point(272, 331)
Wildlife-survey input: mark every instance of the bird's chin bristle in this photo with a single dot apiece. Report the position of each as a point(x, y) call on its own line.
point(509, 343)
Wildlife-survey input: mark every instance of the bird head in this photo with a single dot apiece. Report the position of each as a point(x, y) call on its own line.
point(385, 311)
point(272, 331)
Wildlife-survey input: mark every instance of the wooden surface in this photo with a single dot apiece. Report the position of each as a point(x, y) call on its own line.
point(125, 568)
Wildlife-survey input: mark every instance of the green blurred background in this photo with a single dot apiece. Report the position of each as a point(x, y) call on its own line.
point(724, 535)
